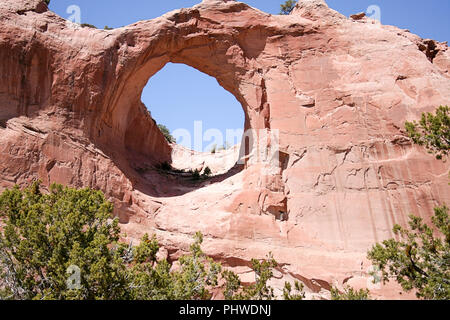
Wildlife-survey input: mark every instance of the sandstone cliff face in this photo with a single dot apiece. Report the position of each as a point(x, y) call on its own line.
point(338, 90)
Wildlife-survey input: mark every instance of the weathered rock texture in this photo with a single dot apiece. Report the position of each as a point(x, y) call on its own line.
point(338, 90)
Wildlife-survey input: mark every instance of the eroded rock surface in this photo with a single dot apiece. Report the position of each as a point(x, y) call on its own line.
point(337, 90)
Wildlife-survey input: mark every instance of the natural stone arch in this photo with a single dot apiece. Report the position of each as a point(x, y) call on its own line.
point(224, 54)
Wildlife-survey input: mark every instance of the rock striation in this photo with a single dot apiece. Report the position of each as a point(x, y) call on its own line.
point(337, 91)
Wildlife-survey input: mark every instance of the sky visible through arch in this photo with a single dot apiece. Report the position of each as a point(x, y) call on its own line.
point(178, 94)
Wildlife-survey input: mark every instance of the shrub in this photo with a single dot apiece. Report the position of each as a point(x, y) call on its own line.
point(298, 293)
point(207, 172)
point(166, 132)
point(87, 25)
point(141, 170)
point(260, 290)
point(419, 257)
point(350, 294)
point(432, 131)
point(165, 166)
point(46, 237)
point(43, 235)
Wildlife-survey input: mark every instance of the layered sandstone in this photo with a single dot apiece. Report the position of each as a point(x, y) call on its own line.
point(337, 90)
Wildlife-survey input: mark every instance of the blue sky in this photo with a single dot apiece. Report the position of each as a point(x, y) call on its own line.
point(179, 95)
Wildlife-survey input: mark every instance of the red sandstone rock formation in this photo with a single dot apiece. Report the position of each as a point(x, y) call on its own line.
point(338, 90)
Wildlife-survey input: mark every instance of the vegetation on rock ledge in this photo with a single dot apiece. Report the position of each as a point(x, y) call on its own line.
point(419, 259)
point(287, 7)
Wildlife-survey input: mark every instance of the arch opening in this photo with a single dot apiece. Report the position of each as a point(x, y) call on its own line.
point(203, 122)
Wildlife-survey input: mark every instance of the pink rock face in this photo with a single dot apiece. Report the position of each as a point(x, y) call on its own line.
point(337, 91)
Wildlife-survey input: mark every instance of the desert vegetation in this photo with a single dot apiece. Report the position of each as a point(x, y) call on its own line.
point(287, 7)
point(65, 244)
point(350, 294)
point(419, 258)
point(88, 25)
point(166, 168)
point(344, 172)
point(432, 132)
